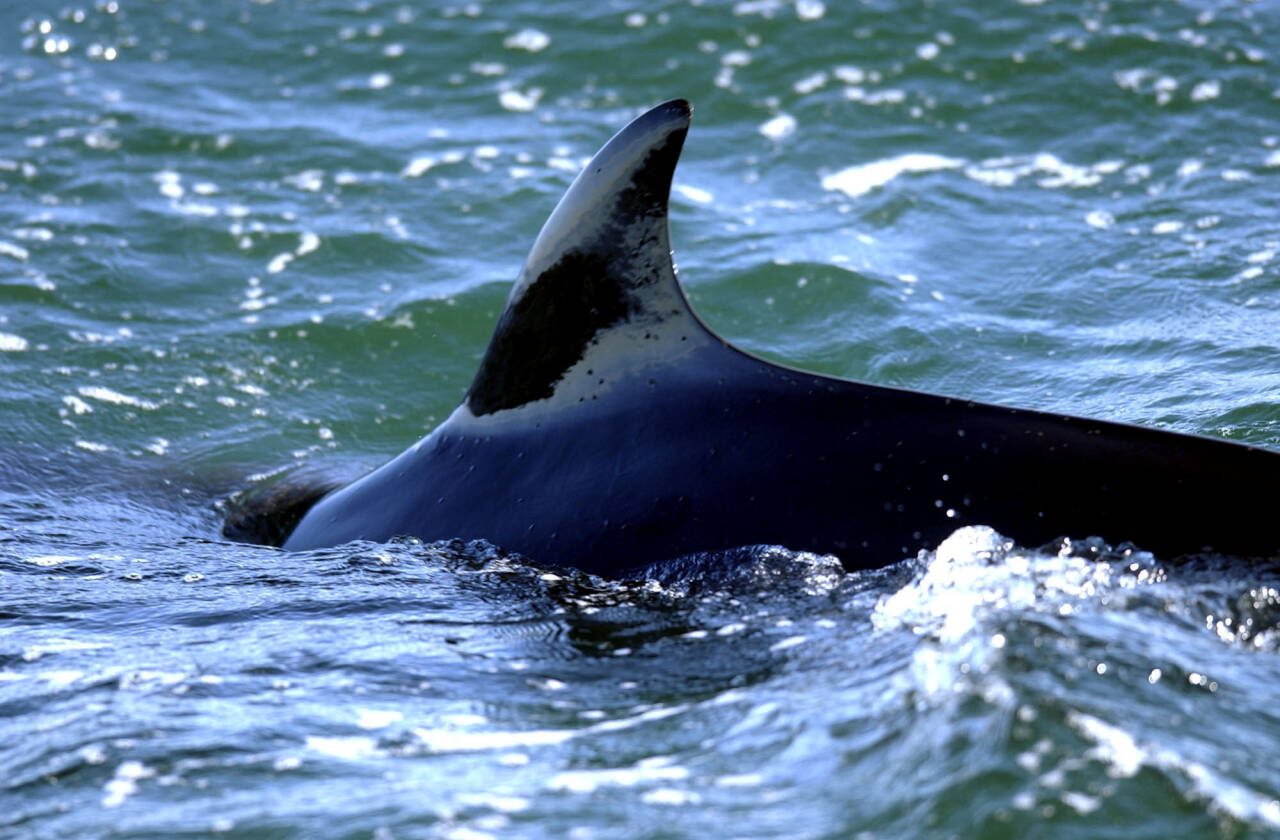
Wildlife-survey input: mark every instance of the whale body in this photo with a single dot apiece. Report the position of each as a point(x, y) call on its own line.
point(607, 427)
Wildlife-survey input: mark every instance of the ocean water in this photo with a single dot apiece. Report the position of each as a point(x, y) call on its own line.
point(243, 238)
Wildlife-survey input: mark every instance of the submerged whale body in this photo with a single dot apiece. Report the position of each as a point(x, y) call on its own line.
point(608, 427)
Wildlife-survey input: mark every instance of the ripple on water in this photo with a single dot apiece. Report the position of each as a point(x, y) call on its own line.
point(215, 271)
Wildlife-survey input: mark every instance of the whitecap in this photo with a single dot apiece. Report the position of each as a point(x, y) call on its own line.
point(10, 343)
point(694, 194)
point(17, 252)
point(350, 748)
point(783, 125)
point(858, 180)
point(1099, 219)
point(97, 392)
point(653, 769)
point(1205, 91)
point(124, 783)
point(377, 718)
point(418, 166)
point(307, 242)
point(514, 100)
point(811, 83)
point(533, 40)
point(810, 9)
point(448, 740)
point(279, 262)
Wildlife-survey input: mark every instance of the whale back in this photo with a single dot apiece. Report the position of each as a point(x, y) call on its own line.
point(607, 427)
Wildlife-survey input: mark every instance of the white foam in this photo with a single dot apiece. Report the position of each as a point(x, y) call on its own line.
point(17, 252)
point(418, 166)
point(859, 180)
point(10, 343)
point(694, 194)
point(279, 262)
point(46, 561)
point(124, 783)
point(1099, 219)
point(974, 572)
point(850, 75)
point(787, 643)
point(810, 9)
point(97, 392)
point(1114, 746)
point(377, 718)
point(783, 125)
point(452, 740)
point(532, 40)
point(654, 769)
point(740, 780)
point(169, 183)
point(889, 96)
point(811, 83)
point(308, 180)
point(514, 100)
point(504, 804)
point(670, 796)
point(1125, 756)
point(764, 8)
point(1205, 91)
point(1054, 172)
point(350, 748)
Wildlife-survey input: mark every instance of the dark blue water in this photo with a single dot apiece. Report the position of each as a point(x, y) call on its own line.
point(242, 238)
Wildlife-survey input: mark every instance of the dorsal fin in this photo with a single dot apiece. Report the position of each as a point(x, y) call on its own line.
point(600, 269)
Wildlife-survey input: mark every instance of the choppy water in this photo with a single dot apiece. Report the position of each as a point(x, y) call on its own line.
point(244, 236)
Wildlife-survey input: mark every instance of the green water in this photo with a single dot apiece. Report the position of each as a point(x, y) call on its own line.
point(241, 237)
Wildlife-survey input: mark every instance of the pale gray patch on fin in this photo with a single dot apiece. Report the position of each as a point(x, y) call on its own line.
point(601, 264)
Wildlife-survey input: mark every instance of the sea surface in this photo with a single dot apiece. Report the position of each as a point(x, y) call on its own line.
point(243, 238)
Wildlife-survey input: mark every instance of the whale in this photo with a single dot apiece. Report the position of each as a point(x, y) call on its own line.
point(608, 427)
